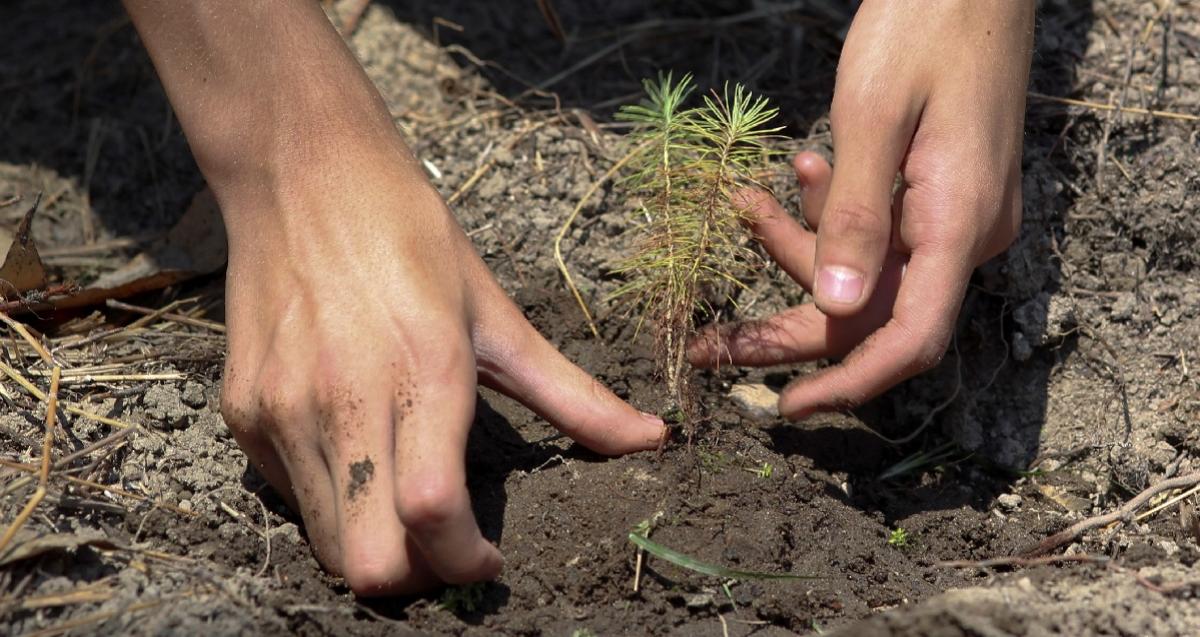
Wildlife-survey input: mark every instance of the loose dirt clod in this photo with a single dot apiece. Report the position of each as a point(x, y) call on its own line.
point(361, 473)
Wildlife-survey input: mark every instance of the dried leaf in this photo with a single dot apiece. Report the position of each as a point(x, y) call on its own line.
point(22, 270)
point(194, 247)
point(29, 544)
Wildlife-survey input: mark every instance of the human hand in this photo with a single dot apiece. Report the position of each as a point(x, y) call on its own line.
point(936, 92)
point(360, 319)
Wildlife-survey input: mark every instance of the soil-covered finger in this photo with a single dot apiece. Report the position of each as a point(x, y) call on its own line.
point(357, 431)
point(433, 416)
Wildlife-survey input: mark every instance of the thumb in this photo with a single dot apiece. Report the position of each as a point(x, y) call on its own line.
point(515, 360)
point(855, 228)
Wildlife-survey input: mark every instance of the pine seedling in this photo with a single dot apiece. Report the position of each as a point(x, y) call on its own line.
point(693, 247)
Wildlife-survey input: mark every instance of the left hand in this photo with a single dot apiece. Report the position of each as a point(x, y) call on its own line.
point(936, 92)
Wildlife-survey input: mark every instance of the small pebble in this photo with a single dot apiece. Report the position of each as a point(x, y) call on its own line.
point(698, 600)
point(1009, 501)
point(755, 400)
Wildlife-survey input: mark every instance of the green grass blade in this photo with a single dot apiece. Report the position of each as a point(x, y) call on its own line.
point(679, 559)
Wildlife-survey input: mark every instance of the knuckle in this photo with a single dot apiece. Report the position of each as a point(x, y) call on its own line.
point(856, 221)
point(427, 502)
point(368, 572)
point(281, 403)
point(862, 108)
point(236, 408)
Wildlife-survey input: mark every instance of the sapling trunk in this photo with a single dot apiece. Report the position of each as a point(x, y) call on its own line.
point(693, 245)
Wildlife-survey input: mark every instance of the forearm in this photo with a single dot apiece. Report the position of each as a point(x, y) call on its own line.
point(261, 84)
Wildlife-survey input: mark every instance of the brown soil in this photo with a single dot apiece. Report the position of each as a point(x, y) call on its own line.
point(1072, 384)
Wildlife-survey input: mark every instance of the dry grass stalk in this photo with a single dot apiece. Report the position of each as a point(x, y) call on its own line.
point(566, 227)
point(109, 333)
point(20, 379)
point(1067, 101)
point(91, 484)
point(29, 338)
point(44, 472)
point(170, 316)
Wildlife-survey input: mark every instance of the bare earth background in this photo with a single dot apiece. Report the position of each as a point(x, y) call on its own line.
point(1073, 384)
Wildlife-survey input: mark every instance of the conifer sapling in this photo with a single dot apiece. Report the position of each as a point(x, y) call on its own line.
point(693, 248)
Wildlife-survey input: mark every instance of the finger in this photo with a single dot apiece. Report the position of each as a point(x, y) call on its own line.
point(1008, 227)
point(431, 487)
point(378, 557)
point(788, 243)
point(243, 423)
point(515, 360)
point(797, 334)
point(856, 222)
point(814, 174)
point(300, 475)
point(794, 335)
point(270, 422)
point(913, 341)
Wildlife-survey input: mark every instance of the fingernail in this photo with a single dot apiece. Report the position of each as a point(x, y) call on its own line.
point(652, 419)
point(839, 284)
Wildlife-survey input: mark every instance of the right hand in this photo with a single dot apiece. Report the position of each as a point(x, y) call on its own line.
point(934, 91)
point(360, 319)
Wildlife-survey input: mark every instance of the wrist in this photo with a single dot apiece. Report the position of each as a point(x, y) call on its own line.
point(263, 89)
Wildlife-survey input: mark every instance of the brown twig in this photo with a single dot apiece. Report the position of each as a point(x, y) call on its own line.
point(38, 300)
point(1024, 562)
point(1165, 588)
point(1126, 510)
